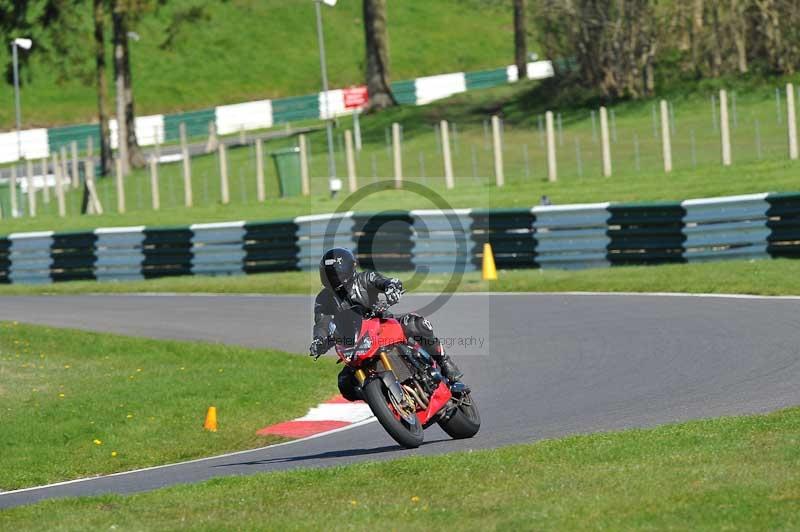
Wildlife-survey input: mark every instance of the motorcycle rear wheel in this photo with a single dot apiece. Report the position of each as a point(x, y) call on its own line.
point(465, 421)
point(408, 435)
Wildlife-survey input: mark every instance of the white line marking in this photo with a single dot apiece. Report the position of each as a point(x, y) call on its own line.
point(347, 412)
point(457, 294)
point(196, 460)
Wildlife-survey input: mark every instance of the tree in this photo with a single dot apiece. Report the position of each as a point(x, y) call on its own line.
point(129, 151)
point(612, 42)
point(377, 45)
point(102, 85)
point(520, 43)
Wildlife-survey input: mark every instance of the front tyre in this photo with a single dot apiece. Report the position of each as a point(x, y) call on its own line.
point(409, 435)
point(465, 421)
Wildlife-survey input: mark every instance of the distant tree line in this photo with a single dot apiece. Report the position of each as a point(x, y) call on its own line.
point(619, 47)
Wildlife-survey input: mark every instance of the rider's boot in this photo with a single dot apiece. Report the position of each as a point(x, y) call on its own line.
point(448, 367)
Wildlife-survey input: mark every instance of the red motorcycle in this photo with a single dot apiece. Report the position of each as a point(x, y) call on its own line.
point(402, 384)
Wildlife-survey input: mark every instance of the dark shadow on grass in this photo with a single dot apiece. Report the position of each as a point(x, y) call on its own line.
point(342, 453)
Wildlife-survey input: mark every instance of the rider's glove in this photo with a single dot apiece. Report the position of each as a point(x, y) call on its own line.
point(393, 290)
point(317, 347)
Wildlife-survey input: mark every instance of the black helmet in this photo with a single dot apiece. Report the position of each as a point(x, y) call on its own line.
point(337, 267)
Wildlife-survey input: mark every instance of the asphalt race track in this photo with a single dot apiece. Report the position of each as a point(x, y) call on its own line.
point(550, 365)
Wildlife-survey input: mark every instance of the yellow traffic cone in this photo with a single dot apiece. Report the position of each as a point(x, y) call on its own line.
point(489, 269)
point(211, 419)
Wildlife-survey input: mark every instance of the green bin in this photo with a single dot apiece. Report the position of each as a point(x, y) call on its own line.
point(287, 165)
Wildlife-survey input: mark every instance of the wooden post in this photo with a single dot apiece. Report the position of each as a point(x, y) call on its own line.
point(154, 192)
point(724, 127)
point(304, 178)
point(45, 183)
point(666, 141)
point(89, 147)
point(791, 121)
point(223, 175)
point(31, 189)
point(12, 190)
point(552, 164)
point(497, 142)
point(120, 187)
point(212, 144)
point(94, 206)
point(397, 156)
point(156, 143)
point(357, 129)
point(351, 160)
point(260, 191)
point(65, 167)
point(605, 142)
point(76, 180)
point(187, 167)
point(62, 207)
point(444, 129)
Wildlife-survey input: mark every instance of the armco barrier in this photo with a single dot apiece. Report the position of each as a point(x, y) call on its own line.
point(441, 241)
point(645, 234)
point(511, 234)
point(167, 252)
point(572, 236)
point(5, 260)
point(30, 255)
point(726, 228)
point(218, 249)
point(271, 247)
point(73, 257)
point(560, 236)
point(383, 241)
point(784, 223)
point(315, 233)
point(119, 252)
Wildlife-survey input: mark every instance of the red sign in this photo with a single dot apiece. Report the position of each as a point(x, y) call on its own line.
point(355, 97)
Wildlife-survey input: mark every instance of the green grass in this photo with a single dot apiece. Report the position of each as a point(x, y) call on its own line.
point(697, 172)
point(761, 277)
point(255, 49)
point(62, 391)
point(718, 474)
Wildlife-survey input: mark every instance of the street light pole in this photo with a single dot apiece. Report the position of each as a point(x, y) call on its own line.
point(324, 69)
point(16, 97)
point(15, 44)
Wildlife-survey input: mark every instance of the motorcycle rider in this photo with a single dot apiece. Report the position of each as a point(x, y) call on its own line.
point(346, 296)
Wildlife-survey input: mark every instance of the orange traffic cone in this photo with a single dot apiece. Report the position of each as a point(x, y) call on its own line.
point(211, 419)
point(489, 269)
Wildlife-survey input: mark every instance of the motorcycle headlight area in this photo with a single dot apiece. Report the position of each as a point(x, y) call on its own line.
point(363, 346)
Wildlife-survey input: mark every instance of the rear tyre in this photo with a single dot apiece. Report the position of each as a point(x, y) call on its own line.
point(465, 421)
point(376, 395)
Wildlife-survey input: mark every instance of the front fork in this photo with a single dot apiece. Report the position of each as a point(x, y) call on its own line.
point(361, 375)
point(388, 376)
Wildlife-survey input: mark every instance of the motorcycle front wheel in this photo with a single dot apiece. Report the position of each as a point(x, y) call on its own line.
point(409, 435)
point(465, 421)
